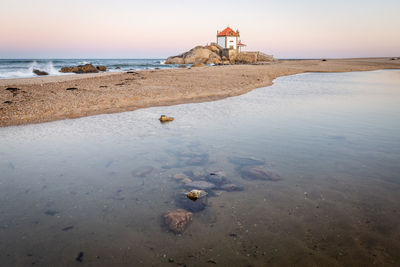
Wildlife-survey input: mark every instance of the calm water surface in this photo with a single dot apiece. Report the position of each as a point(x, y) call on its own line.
point(70, 188)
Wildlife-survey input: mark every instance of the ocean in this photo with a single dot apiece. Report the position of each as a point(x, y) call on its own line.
point(23, 68)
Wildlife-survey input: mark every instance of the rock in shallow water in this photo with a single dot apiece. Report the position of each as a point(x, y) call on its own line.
point(241, 161)
point(39, 72)
point(258, 173)
point(200, 185)
point(231, 187)
point(143, 171)
point(195, 194)
point(194, 206)
point(178, 220)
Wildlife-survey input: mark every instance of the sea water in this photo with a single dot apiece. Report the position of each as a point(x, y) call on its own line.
point(70, 193)
point(23, 68)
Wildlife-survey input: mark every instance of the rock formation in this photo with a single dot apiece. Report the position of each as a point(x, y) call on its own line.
point(215, 54)
point(87, 68)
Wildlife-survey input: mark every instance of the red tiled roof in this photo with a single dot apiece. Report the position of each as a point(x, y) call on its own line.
point(240, 44)
point(228, 32)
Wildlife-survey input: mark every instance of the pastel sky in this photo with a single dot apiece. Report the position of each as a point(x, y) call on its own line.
point(156, 28)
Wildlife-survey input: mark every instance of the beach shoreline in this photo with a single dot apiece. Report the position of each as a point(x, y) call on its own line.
point(45, 99)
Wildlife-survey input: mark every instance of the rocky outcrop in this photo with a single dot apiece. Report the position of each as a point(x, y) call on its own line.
point(214, 54)
point(178, 220)
point(39, 72)
point(87, 68)
point(197, 55)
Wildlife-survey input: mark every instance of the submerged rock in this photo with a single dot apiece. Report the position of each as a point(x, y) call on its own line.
point(180, 176)
point(39, 72)
point(258, 173)
point(231, 187)
point(217, 178)
point(194, 158)
point(242, 161)
point(200, 185)
point(196, 205)
point(178, 220)
point(143, 171)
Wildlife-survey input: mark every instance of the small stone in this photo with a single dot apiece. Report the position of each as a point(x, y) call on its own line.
point(178, 220)
point(195, 194)
point(164, 118)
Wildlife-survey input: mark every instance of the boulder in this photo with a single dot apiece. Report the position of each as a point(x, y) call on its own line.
point(177, 220)
point(39, 72)
point(87, 68)
point(197, 55)
point(253, 172)
point(101, 68)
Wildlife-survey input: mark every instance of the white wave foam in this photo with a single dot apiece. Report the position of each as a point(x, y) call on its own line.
point(28, 72)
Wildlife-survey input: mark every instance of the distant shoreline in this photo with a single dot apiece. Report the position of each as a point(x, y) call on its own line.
point(43, 99)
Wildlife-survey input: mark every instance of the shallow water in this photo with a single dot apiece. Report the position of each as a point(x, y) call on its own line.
point(69, 186)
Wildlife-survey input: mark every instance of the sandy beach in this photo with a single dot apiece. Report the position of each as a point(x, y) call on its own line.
point(51, 98)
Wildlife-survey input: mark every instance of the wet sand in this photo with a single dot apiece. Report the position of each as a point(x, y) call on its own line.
point(45, 99)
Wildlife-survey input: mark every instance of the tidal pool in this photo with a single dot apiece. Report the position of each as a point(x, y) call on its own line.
point(93, 191)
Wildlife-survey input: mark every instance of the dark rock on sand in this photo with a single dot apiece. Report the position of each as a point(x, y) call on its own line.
point(72, 88)
point(12, 89)
point(7, 102)
point(143, 171)
point(39, 72)
point(178, 220)
point(242, 161)
point(87, 68)
point(258, 173)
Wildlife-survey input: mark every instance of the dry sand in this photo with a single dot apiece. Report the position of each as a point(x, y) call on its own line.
point(46, 99)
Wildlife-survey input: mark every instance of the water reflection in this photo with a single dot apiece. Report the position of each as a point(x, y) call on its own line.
point(93, 191)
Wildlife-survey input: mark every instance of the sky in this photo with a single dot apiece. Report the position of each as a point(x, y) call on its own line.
point(158, 29)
